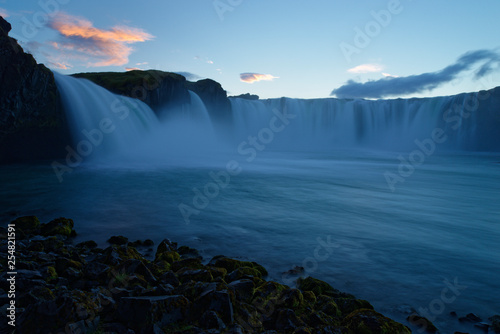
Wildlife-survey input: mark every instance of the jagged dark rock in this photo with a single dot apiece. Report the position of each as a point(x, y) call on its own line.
point(32, 122)
point(246, 96)
point(164, 90)
point(159, 90)
point(81, 288)
point(213, 96)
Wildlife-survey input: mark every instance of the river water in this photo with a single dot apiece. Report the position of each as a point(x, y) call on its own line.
point(430, 242)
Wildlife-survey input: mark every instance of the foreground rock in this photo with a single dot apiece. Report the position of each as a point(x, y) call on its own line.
point(81, 288)
point(32, 122)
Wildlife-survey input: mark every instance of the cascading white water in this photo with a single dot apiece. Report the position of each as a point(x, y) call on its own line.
point(106, 126)
point(467, 122)
point(103, 123)
point(186, 136)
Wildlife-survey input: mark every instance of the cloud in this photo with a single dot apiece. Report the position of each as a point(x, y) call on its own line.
point(390, 75)
point(80, 39)
point(253, 77)
point(143, 63)
point(366, 68)
point(61, 66)
point(133, 69)
point(4, 13)
point(488, 60)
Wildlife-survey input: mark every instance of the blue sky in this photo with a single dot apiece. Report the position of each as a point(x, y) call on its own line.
point(289, 48)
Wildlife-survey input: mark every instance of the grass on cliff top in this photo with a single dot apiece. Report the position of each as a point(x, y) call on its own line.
point(124, 82)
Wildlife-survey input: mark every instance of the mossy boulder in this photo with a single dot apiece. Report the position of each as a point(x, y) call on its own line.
point(270, 290)
point(309, 297)
point(192, 263)
point(42, 292)
point(367, 321)
point(158, 268)
point(199, 275)
point(62, 226)
point(187, 252)
point(217, 272)
point(348, 305)
point(28, 224)
point(218, 301)
point(293, 299)
point(328, 306)
point(243, 272)
point(53, 244)
point(317, 286)
point(168, 256)
point(422, 323)
point(243, 289)
point(233, 264)
point(118, 240)
point(50, 274)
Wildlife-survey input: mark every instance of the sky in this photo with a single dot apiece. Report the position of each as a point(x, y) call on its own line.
point(348, 49)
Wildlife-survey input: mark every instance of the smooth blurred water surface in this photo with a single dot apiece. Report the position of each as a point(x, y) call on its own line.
point(394, 249)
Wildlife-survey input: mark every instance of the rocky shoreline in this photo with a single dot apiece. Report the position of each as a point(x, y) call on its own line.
point(62, 287)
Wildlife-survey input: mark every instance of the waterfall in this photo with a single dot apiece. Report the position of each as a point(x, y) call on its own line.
point(109, 127)
point(467, 122)
point(106, 126)
point(102, 123)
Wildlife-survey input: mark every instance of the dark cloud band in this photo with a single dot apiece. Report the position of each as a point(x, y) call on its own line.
point(398, 86)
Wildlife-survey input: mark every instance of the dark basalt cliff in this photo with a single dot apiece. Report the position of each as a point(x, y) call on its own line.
point(163, 90)
point(213, 96)
point(158, 89)
point(32, 123)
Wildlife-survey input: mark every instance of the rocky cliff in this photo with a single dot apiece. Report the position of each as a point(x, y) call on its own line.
point(158, 89)
point(32, 123)
point(161, 90)
point(213, 96)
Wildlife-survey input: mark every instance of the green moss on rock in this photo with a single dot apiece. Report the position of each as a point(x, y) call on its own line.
point(232, 264)
point(317, 286)
point(51, 274)
point(365, 321)
point(62, 226)
point(28, 224)
point(422, 323)
point(168, 256)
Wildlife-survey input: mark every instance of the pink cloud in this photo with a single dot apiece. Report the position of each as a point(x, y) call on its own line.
point(61, 66)
point(100, 47)
point(254, 77)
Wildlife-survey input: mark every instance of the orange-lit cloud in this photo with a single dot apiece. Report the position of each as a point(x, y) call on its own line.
point(61, 66)
point(253, 77)
point(3, 13)
point(133, 69)
point(78, 37)
point(366, 68)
